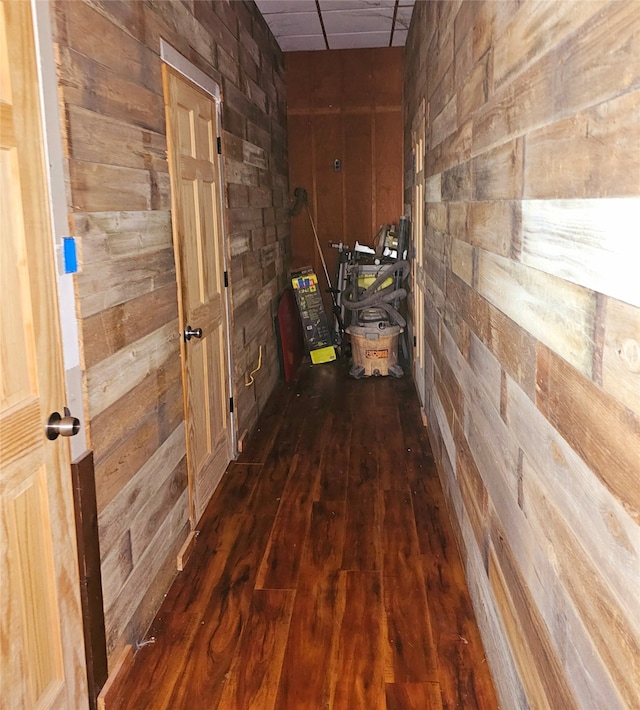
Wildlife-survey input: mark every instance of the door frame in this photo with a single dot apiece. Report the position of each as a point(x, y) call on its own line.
point(59, 217)
point(418, 197)
point(180, 64)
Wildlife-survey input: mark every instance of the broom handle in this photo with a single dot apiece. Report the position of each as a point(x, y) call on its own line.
point(324, 263)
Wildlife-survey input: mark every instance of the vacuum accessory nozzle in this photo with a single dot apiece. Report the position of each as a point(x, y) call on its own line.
point(300, 196)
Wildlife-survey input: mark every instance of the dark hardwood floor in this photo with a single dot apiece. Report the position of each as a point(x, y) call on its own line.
point(325, 574)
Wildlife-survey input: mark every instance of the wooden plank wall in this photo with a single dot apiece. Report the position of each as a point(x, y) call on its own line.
point(119, 202)
point(532, 229)
point(345, 105)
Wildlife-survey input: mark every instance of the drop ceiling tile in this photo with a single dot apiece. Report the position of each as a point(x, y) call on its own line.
point(271, 7)
point(399, 38)
point(358, 40)
point(302, 43)
point(294, 24)
point(346, 20)
point(354, 4)
point(403, 17)
point(358, 21)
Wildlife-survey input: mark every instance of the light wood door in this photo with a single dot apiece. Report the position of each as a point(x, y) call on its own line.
point(419, 287)
point(41, 640)
point(192, 142)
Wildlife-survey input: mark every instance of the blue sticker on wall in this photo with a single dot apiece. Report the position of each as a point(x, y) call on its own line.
point(70, 255)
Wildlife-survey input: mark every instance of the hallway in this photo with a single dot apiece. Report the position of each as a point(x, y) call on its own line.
point(326, 573)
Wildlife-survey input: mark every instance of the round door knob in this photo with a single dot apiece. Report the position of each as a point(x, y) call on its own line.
point(58, 425)
point(190, 332)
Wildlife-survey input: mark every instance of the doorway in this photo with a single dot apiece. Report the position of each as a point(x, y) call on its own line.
point(194, 148)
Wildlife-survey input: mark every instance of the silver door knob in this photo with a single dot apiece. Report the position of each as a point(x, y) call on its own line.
point(190, 332)
point(62, 426)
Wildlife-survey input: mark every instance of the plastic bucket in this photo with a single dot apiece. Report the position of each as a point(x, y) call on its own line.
point(374, 349)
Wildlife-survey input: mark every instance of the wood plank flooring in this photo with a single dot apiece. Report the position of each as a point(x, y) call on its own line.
point(325, 574)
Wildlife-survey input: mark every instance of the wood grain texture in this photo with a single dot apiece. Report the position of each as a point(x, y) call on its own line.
point(456, 636)
point(399, 696)
point(472, 491)
point(563, 321)
point(98, 138)
point(526, 102)
point(280, 565)
point(621, 353)
point(86, 519)
point(328, 206)
point(114, 95)
point(111, 521)
point(254, 675)
point(359, 669)
point(113, 329)
point(609, 532)
point(133, 60)
point(107, 188)
point(317, 615)
point(591, 243)
point(116, 469)
point(41, 619)
point(497, 172)
point(111, 97)
point(492, 225)
point(158, 392)
point(410, 652)
point(513, 346)
point(357, 138)
point(341, 638)
point(601, 145)
point(103, 285)
point(603, 432)
point(111, 688)
point(544, 683)
point(122, 234)
point(596, 601)
point(344, 105)
point(336, 460)
point(168, 537)
point(531, 320)
point(532, 32)
point(105, 383)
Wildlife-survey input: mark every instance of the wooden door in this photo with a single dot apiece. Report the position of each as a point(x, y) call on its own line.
point(192, 142)
point(419, 287)
point(42, 663)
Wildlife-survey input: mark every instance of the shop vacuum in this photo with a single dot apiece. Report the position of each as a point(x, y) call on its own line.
point(372, 294)
point(367, 295)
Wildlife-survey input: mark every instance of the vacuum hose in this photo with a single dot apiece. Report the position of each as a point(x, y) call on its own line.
point(300, 196)
point(383, 298)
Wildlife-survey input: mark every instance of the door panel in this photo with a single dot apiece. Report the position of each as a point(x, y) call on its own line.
point(192, 129)
point(42, 663)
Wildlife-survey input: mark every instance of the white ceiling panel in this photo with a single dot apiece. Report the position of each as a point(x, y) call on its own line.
point(271, 7)
point(403, 17)
point(359, 40)
point(327, 5)
point(288, 24)
point(300, 25)
point(302, 44)
point(399, 38)
point(354, 21)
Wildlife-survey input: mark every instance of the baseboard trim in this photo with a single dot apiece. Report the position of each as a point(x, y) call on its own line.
point(110, 693)
point(187, 549)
